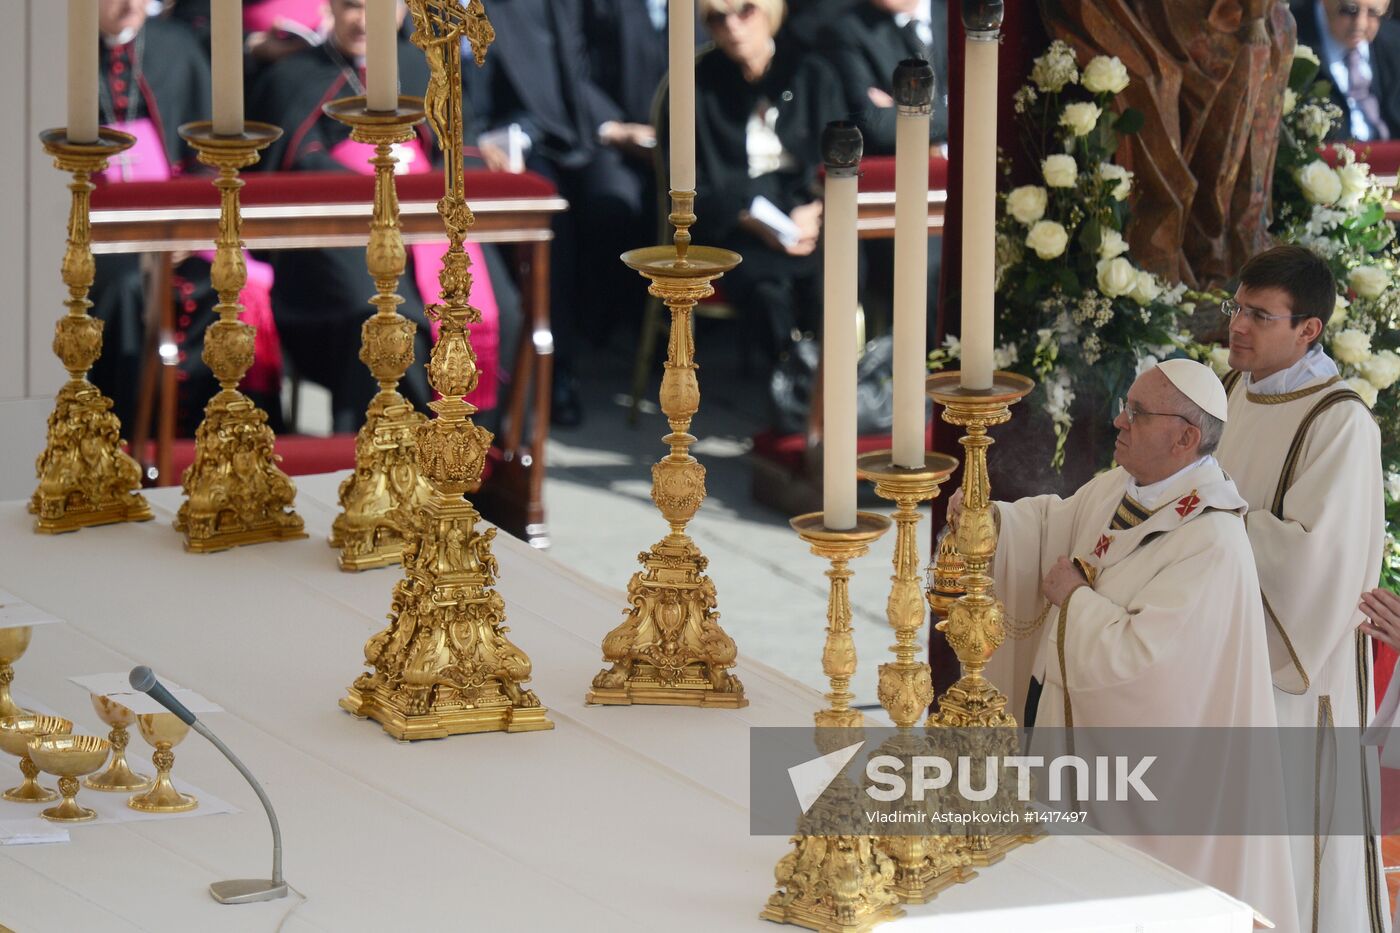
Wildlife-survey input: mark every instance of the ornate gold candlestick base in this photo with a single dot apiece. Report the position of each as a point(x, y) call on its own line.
point(924, 865)
point(836, 883)
point(975, 626)
point(670, 648)
point(85, 478)
point(234, 492)
point(386, 475)
point(444, 666)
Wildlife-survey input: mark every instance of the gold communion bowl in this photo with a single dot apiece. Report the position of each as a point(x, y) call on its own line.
point(69, 757)
point(163, 731)
point(15, 733)
point(118, 776)
point(13, 643)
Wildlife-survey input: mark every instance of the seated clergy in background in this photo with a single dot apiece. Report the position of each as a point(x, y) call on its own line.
point(1153, 613)
point(321, 296)
point(1359, 48)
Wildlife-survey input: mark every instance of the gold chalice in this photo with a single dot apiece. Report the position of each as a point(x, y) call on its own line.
point(163, 731)
point(118, 776)
point(15, 734)
point(13, 641)
point(68, 757)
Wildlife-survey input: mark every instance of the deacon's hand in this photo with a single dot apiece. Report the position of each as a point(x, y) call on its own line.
point(1382, 607)
point(1064, 578)
point(955, 507)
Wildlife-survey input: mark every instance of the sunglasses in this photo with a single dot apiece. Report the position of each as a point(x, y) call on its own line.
point(1354, 10)
point(744, 12)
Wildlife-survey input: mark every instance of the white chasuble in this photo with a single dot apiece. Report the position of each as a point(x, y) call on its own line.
point(1169, 633)
point(1308, 463)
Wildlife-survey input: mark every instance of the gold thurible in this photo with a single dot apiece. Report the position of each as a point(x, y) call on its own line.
point(670, 648)
point(85, 478)
point(386, 477)
point(234, 492)
point(924, 864)
point(444, 666)
point(975, 624)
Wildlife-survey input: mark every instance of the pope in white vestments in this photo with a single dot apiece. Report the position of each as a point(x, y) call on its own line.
point(1154, 616)
point(1304, 452)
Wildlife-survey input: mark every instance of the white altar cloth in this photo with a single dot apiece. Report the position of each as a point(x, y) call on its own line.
point(620, 819)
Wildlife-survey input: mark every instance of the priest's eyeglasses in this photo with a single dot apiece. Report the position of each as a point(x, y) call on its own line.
point(1132, 412)
point(1230, 307)
point(1353, 10)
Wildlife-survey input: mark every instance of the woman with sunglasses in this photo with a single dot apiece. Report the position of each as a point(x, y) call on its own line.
point(1359, 47)
point(760, 108)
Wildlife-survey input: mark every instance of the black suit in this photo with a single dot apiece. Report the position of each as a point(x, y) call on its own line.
point(1385, 67)
point(866, 45)
point(627, 54)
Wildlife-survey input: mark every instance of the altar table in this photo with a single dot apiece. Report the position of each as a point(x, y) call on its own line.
point(620, 819)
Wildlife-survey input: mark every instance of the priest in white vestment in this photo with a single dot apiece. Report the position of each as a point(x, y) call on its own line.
point(1162, 626)
point(1305, 453)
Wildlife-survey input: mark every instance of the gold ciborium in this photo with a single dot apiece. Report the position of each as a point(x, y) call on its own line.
point(13, 642)
point(68, 757)
point(15, 734)
point(118, 776)
point(163, 731)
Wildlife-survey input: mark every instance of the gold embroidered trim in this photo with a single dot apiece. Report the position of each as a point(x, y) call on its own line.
point(1060, 646)
point(1287, 642)
point(1324, 721)
point(1295, 448)
point(1372, 857)
point(1293, 396)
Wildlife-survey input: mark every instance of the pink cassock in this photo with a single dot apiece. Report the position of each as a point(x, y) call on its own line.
point(427, 262)
point(279, 14)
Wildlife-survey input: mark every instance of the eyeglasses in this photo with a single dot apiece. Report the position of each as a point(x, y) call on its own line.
point(1132, 412)
point(744, 12)
point(1230, 307)
point(1353, 10)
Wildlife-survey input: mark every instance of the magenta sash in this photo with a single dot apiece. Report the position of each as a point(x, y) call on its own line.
point(427, 262)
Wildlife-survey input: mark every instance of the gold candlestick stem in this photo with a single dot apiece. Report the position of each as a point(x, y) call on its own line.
point(924, 865)
point(670, 648)
point(975, 626)
point(85, 478)
point(386, 476)
point(836, 883)
point(234, 492)
point(444, 666)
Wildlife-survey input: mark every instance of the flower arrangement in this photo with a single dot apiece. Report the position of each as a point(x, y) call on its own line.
point(1077, 315)
point(1336, 208)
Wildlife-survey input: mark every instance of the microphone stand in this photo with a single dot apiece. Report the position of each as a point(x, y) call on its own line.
point(248, 890)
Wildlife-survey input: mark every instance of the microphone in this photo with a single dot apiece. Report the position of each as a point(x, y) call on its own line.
point(243, 890)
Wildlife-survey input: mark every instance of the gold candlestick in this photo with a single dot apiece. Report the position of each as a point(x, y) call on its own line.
point(444, 666)
point(670, 648)
point(836, 883)
point(386, 476)
point(234, 492)
point(975, 625)
point(924, 865)
point(85, 478)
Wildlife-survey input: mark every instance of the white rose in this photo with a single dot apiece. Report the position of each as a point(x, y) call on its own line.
point(1112, 244)
point(1048, 239)
point(1060, 171)
point(1026, 203)
point(1320, 182)
point(1352, 346)
point(1368, 281)
point(1080, 118)
point(1219, 359)
point(1290, 101)
point(1339, 310)
point(1364, 389)
point(1382, 369)
point(1104, 75)
point(1355, 178)
point(1305, 53)
point(1116, 277)
point(1117, 173)
point(1146, 288)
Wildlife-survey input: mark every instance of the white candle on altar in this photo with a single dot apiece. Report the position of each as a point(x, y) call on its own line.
point(841, 150)
point(382, 55)
point(82, 71)
point(979, 157)
point(682, 94)
point(913, 86)
point(226, 47)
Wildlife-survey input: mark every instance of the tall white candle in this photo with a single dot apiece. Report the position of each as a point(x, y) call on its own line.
point(839, 342)
point(979, 212)
point(682, 90)
point(82, 71)
point(226, 46)
point(382, 55)
point(911, 262)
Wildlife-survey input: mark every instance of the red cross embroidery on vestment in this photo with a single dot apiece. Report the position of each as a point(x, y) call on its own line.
point(1101, 548)
point(1187, 503)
